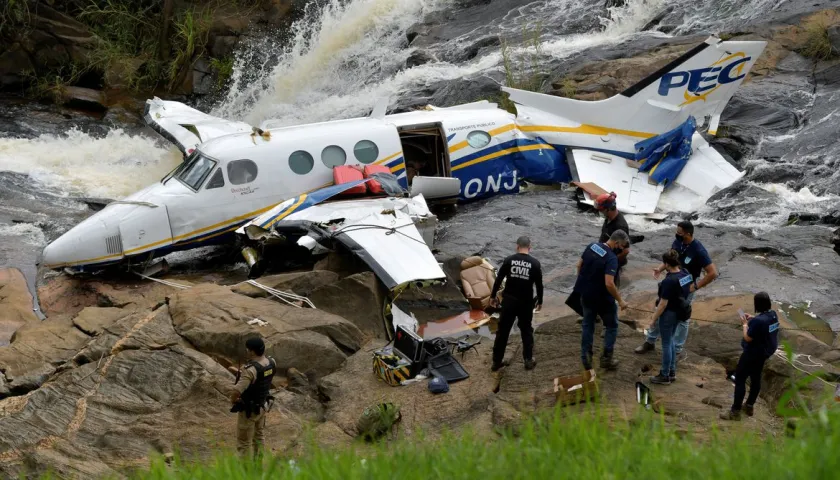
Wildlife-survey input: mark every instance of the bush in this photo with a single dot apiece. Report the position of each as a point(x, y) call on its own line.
point(817, 43)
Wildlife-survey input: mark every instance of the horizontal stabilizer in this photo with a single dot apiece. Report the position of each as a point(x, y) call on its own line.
point(699, 83)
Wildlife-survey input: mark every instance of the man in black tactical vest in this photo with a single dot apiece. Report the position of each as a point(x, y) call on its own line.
point(251, 399)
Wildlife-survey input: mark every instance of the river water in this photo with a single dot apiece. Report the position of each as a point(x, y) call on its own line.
point(339, 58)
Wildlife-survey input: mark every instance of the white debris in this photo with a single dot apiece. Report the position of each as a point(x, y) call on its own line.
point(816, 264)
point(257, 322)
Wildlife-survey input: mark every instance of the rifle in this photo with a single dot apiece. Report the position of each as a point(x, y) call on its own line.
point(238, 370)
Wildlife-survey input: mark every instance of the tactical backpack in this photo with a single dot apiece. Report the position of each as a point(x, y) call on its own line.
point(377, 420)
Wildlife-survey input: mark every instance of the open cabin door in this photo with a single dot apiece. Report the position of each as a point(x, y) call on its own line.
point(427, 164)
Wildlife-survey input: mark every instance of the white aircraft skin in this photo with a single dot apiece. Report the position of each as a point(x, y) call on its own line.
point(483, 151)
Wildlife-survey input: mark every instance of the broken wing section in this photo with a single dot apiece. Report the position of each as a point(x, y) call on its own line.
point(680, 161)
point(390, 244)
point(185, 126)
point(602, 172)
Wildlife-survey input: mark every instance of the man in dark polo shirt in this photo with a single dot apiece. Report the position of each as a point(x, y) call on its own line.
point(695, 259)
point(613, 220)
point(599, 296)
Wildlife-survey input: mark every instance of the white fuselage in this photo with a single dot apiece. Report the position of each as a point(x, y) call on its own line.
point(233, 174)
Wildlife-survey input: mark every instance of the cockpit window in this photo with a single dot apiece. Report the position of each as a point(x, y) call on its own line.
point(194, 173)
point(241, 171)
point(216, 181)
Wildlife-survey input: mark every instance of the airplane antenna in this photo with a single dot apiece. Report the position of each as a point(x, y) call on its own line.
point(380, 108)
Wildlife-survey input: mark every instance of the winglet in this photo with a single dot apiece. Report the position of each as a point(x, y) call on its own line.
point(380, 108)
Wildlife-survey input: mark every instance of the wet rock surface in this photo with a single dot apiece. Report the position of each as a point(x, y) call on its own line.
point(215, 320)
point(15, 303)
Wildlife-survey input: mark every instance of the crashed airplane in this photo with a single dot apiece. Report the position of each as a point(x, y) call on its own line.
point(273, 184)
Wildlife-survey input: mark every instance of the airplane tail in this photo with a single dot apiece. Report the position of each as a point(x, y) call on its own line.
point(699, 83)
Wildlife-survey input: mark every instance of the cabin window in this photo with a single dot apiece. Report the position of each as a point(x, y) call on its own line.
point(333, 156)
point(366, 151)
point(241, 171)
point(301, 162)
point(478, 139)
point(216, 181)
point(194, 174)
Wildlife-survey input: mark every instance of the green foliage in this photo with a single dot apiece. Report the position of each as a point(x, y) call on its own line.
point(13, 13)
point(223, 68)
point(53, 85)
point(817, 44)
point(191, 28)
point(568, 88)
point(521, 63)
point(559, 444)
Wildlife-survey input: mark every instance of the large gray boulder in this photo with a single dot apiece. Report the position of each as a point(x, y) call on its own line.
point(215, 321)
point(359, 298)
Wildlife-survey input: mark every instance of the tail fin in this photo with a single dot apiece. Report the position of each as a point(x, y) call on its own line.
point(699, 83)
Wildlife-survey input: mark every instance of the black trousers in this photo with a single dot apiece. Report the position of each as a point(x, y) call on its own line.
point(511, 310)
point(749, 366)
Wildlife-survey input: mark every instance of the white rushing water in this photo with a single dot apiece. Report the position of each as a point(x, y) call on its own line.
point(80, 165)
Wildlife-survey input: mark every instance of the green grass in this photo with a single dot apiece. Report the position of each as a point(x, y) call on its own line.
point(521, 63)
point(190, 37)
point(223, 68)
point(578, 446)
point(817, 44)
point(577, 442)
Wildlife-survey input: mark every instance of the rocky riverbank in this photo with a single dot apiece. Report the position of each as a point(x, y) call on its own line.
point(124, 368)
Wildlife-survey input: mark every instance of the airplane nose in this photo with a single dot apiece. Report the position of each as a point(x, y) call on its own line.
point(88, 243)
point(59, 252)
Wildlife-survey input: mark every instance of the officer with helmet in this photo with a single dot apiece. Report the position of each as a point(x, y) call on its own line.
point(613, 221)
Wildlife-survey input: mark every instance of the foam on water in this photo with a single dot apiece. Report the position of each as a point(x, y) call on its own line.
point(774, 213)
point(78, 164)
point(347, 55)
point(27, 232)
point(335, 51)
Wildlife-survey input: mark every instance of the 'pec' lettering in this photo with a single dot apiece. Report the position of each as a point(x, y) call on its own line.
point(702, 79)
point(725, 74)
point(672, 80)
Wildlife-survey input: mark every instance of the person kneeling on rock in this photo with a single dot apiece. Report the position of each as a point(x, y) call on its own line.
point(251, 399)
point(672, 307)
point(761, 339)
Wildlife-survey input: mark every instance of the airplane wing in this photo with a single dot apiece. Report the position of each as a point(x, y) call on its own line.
point(185, 126)
point(383, 232)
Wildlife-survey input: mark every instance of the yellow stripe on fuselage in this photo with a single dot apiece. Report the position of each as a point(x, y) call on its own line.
point(288, 211)
point(586, 130)
point(386, 159)
point(464, 144)
point(501, 153)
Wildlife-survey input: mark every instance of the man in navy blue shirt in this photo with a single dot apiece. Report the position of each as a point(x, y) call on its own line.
point(761, 339)
point(696, 260)
point(595, 284)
